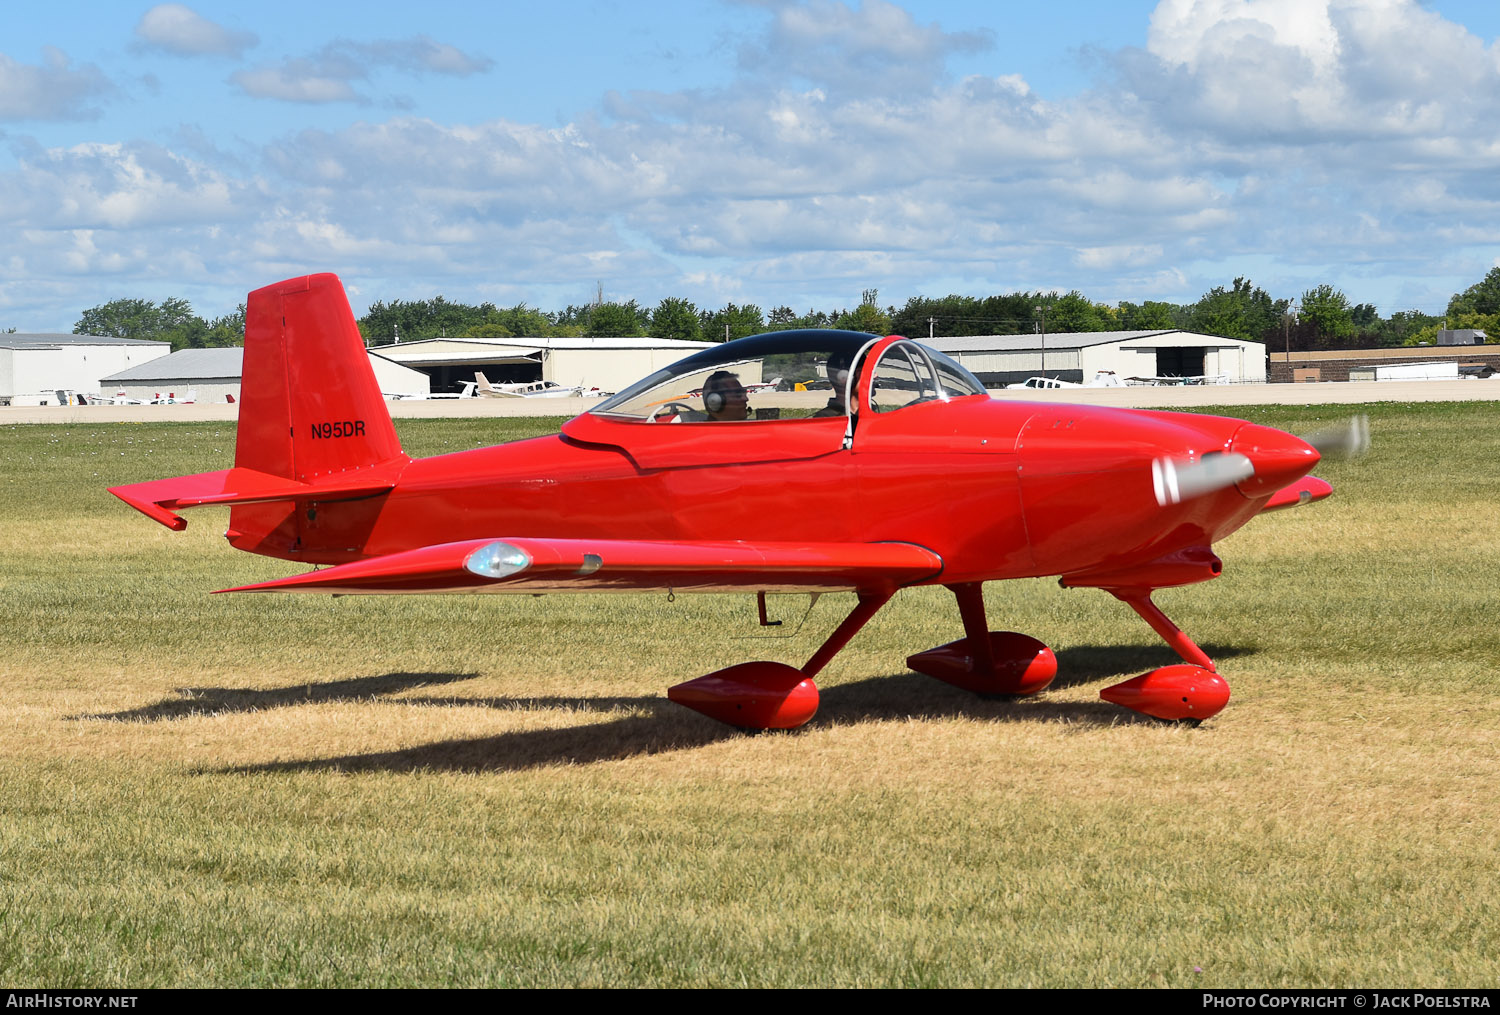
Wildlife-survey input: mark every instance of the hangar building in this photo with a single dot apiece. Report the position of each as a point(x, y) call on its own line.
point(208, 375)
point(35, 367)
point(606, 363)
point(998, 360)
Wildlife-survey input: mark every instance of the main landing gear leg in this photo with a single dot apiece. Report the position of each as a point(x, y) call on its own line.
point(1189, 690)
point(985, 661)
point(869, 604)
point(773, 696)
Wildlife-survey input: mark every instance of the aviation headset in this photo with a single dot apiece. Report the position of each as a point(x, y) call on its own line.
point(713, 401)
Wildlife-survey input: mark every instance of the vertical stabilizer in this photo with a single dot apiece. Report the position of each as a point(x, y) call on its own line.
point(310, 405)
point(310, 412)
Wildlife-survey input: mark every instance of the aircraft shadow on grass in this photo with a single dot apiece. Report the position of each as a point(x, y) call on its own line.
point(214, 700)
point(1076, 666)
point(667, 727)
point(1084, 664)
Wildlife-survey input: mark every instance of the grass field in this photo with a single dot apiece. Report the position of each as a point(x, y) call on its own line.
point(209, 790)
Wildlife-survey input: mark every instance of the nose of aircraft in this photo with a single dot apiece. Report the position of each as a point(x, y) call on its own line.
point(1279, 458)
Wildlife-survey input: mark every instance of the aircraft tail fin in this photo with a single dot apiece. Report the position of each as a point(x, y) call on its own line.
point(311, 413)
point(315, 450)
point(309, 402)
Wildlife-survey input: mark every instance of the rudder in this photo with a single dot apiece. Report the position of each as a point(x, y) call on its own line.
point(310, 405)
point(310, 411)
point(315, 452)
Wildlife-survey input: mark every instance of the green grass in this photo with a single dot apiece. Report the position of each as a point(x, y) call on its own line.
point(383, 791)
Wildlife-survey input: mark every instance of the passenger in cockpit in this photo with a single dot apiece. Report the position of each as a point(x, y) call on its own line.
point(837, 369)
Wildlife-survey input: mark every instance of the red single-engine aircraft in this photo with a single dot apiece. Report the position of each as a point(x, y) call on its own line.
point(910, 475)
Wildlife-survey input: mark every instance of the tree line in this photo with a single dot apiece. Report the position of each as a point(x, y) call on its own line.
point(172, 320)
point(1322, 318)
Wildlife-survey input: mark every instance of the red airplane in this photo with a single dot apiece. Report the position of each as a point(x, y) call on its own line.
point(923, 480)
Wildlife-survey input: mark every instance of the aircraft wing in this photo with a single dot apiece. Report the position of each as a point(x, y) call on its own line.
point(532, 564)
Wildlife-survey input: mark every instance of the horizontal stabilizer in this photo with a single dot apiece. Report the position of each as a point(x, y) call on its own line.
point(1304, 491)
point(160, 498)
point(531, 564)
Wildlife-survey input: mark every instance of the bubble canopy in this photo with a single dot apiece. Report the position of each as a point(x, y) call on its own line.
point(789, 375)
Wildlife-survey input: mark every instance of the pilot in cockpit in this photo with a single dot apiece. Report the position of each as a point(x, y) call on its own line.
point(725, 398)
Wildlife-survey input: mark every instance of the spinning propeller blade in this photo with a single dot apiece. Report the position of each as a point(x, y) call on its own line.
point(1348, 439)
point(1177, 480)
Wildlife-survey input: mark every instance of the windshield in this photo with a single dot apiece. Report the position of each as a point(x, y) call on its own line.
point(801, 374)
point(783, 375)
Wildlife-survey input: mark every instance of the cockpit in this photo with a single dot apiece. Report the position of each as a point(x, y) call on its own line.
point(792, 375)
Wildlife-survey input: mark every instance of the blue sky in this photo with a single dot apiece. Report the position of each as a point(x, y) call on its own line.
point(765, 152)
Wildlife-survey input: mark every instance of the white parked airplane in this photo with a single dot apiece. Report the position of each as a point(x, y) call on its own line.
point(1168, 382)
point(1102, 379)
point(532, 389)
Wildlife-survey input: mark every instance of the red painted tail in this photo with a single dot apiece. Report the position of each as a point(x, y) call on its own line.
point(309, 405)
point(311, 412)
point(316, 452)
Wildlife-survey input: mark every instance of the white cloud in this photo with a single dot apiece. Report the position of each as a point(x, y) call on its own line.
point(113, 186)
point(328, 75)
point(1247, 133)
point(1191, 33)
point(1301, 71)
point(876, 48)
point(1118, 256)
point(822, 187)
point(421, 54)
point(295, 81)
point(174, 28)
point(54, 90)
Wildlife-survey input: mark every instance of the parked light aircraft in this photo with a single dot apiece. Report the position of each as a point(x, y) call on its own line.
point(751, 387)
point(532, 389)
point(923, 480)
point(1102, 379)
point(1169, 381)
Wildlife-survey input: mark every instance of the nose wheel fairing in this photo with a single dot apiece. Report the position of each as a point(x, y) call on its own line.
point(1180, 691)
point(1190, 690)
